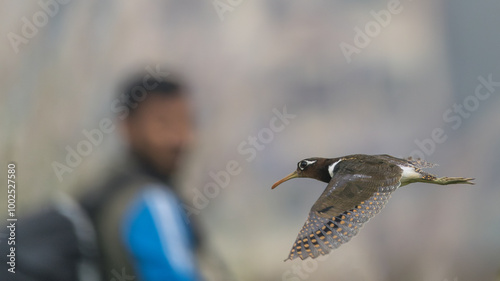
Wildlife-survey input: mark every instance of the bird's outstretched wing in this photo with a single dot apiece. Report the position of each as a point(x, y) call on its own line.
point(350, 199)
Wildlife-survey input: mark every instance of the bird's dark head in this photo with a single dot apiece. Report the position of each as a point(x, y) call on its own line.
point(314, 168)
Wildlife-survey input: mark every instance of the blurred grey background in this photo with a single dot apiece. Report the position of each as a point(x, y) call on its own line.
point(418, 72)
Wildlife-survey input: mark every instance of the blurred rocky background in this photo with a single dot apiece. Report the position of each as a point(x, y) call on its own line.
point(418, 78)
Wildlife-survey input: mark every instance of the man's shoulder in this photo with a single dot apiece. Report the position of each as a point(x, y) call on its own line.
point(154, 195)
point(119, 188)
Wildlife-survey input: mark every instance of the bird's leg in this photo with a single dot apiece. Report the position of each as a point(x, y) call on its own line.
point(429, 178)
point(451, 180)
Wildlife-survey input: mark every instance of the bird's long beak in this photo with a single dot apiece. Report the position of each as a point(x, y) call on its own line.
point(289, 177)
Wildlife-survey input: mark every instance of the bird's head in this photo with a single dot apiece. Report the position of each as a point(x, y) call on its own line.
point(314, 168)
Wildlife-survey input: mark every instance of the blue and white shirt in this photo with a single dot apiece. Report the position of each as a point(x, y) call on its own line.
point(156, 233)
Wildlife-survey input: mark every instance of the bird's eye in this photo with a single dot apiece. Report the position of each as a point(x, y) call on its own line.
point(302, 165)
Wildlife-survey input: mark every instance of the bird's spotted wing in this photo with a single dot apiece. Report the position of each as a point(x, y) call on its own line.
point(347, 203)
point(320, 235)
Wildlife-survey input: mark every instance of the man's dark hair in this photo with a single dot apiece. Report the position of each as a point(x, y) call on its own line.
point(141, 86)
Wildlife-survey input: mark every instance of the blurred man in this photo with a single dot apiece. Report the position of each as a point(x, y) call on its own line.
point(141, 228)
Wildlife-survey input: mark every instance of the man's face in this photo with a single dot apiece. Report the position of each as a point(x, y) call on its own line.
point(160, 130)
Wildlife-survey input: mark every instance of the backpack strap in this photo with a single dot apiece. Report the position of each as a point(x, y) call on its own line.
point(87, 269)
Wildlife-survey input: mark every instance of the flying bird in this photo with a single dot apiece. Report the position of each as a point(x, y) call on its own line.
point(358, 188)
